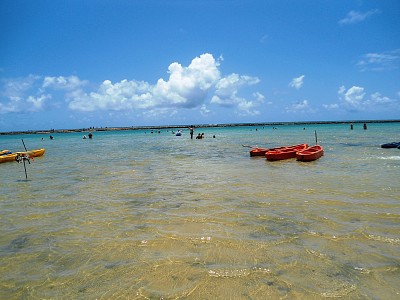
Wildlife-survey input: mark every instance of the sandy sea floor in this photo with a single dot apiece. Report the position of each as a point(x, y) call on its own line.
point(140, 215)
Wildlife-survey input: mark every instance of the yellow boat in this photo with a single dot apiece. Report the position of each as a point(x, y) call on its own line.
point(11, 156)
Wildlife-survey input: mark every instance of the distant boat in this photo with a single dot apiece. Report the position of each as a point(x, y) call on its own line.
point(284, 152)
point(310, 154)
point(391, 145)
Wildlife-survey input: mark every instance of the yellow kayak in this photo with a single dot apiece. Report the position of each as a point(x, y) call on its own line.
point(12, 156)
point(3, 152)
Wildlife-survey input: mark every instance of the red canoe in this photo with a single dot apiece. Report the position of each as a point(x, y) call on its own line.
point(258, 151)
point(310, 154)
point(284, 152)
point(261, 151)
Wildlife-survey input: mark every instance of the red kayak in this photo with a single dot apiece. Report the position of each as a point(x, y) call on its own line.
point(258, 151)
point(284, 152)
point(261, 151)
point(310, 154)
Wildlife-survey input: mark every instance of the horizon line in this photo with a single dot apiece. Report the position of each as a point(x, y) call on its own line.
point(121, 128)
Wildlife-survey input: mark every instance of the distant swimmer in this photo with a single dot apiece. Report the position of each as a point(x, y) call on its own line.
point(84, 137)
point(90, 135)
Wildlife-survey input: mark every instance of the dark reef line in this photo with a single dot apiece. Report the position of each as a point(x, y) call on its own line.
point(196, 125)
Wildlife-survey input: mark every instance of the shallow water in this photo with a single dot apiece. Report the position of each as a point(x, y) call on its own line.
point(141, 215)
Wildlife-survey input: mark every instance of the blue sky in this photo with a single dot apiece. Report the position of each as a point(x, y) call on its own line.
point(75, 64)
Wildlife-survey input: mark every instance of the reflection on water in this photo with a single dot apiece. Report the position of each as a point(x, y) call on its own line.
point(140, 216)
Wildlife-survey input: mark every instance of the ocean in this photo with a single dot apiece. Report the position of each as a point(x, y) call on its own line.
point(145, 214)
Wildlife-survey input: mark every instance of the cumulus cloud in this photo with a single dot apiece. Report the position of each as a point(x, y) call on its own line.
point(352, 98)
point(226, 94)
point(356, 17)
point(355, 99)
point(186, 87)
point(380, 61)
point(297, 83)
point(227, 88)
point(123, 95)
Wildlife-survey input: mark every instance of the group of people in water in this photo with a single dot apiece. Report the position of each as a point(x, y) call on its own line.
point(199, 136)
point(191, 130)
point(364, 126)
point(90, 135)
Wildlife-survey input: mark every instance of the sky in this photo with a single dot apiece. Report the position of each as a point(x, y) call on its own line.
point(116, 63)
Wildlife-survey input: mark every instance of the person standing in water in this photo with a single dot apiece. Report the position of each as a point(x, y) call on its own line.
point(191, 130)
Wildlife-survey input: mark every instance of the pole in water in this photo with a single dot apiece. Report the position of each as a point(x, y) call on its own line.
point(23, 159)
point(24, 144)
point(26, 174)
point(316, 139)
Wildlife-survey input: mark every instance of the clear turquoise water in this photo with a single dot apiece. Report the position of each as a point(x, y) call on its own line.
point(140, 215)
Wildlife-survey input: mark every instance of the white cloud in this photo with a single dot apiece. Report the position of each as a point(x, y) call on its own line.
point(18, 86)
point(226, 93)
point(380, 61)
point(259, 97)
point(204, 110)
point(61, 82)
point(189, 86)
point(14, 96)
point(355, 99)
point(297, 83)
point(123, 95)
point(301, 106)
point(186, 87)
point(227, 89)
point(352, 98)
point(377, 100)
point(331, 106)
point(37, 103)
point(356, 17)
point(158, 113)
point(13, 105)
point(247, 108)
